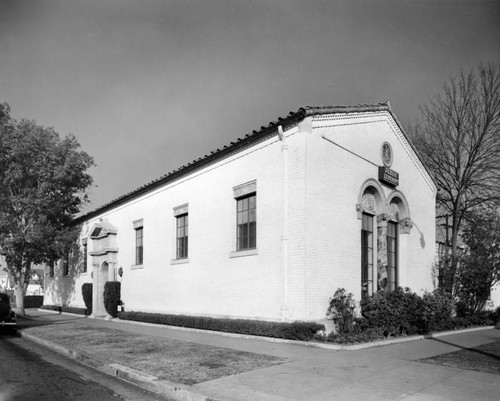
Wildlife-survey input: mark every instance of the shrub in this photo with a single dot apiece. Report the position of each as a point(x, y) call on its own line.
point(87, 296)
point(74, 310)
point(33, 301)
point(437, 311)
point(112, 297)
point(56, 308)
point(342, 310)
point(495, 315)
point(67, 309)
point(303, 331)
point(356, 336)
point(397, 312)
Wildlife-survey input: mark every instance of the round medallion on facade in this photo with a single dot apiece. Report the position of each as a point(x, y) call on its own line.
point(386, 154)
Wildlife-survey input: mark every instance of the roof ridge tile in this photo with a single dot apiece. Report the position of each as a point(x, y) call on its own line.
point(291, 117)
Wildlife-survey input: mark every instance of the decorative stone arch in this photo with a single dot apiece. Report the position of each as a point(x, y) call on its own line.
point(371, 202)
point(371, 199)
point(104, 260)
point(399, 210)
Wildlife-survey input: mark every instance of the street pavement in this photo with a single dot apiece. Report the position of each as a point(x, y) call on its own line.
point(29, 372)
point(388, 372)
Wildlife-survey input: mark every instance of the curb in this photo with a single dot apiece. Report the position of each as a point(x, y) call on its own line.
point(329, 346)
point(323, 345)
point(178, 392)
point(397, 340)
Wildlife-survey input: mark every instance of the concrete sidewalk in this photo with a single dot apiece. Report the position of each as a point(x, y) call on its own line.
point(390, 372)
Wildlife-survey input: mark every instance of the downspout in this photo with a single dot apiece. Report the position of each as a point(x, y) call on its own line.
point(284, 235)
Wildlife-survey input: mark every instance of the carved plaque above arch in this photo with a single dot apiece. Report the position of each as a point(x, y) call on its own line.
point(367, 205)
point(393, 212)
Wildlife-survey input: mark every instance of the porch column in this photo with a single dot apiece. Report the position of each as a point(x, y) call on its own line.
point(382, 278)
point(95, 289)
point(112, 271)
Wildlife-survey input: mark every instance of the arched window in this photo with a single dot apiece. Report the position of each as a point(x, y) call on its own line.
point(371, 203)
point(392, 255)
point(398, 214)
point(366, 254)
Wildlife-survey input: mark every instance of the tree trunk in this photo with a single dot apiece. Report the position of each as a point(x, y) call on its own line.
point(20, 291)
point(452, 266)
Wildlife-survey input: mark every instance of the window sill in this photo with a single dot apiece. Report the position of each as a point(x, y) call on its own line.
point(136, 267)
point(239, 254)
point(179, 261)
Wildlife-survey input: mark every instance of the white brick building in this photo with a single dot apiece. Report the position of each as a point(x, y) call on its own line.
point(269, 226)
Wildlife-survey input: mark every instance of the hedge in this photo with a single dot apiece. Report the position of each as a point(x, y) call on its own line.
point(67, 309)
point(303, 331)
point(112, 297)
point(33, 301)
point(397, 313)
point(56, 308)
point(87, 296)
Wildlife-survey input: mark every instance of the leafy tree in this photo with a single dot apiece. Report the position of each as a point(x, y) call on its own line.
point(43, 183)
point(459, 141)
point(479, 268)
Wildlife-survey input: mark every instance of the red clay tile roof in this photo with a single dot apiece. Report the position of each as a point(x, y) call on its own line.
point(270, 129)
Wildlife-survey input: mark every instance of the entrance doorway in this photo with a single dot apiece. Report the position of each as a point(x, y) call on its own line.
point(102, 278)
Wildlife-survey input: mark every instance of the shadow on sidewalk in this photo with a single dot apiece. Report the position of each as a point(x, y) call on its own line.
point(34, 320)
point(475, 349)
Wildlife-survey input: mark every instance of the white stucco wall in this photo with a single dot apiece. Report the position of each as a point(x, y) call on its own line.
point(322, 233)
point(336, 170)
point(212, 282)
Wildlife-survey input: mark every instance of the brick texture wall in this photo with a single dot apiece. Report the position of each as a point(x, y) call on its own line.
point(322, 234)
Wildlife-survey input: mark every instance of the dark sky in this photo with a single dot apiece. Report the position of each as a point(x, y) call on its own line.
point(149, 85)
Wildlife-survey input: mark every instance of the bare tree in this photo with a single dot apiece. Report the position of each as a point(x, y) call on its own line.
point(458, 139)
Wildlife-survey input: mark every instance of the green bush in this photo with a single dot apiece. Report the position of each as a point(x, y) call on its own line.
point(112, 297)
point(74, 310)
point(357, 335)
point(67, 309)
point(342, 309)
point(56, 308)
point(402, 312)
point(33, 301)
point(437, 311)
point(397, 312)
point(87, 296)
point(303, 331)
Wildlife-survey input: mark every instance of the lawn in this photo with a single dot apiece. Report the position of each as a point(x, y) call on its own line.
point(172, 360)
point(485, 358)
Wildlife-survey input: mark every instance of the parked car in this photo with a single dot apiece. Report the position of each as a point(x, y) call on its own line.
point(7, 315)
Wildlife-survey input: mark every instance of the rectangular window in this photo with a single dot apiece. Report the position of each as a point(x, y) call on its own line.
point(65, 265)
point(246, 223)
point(392, 255)
point(139, 249)
point(85, 258)
point(51, 269)
point(366, 254)
point(182, 236)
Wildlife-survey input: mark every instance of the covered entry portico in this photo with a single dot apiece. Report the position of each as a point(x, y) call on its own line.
point(104, 253)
